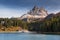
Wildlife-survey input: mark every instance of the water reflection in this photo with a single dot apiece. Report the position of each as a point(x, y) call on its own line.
point(28, 37)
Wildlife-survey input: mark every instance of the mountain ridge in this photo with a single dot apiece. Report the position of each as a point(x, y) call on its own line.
point(35, 13)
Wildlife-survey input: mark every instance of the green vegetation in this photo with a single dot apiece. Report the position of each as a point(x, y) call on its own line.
point(6, 23)
point(47, 25)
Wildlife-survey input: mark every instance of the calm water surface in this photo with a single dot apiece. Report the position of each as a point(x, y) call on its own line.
point(25, 36)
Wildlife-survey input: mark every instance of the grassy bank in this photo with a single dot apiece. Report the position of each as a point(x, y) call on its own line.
point(9, 29)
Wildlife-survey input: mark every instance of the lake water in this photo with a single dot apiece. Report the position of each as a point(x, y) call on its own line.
point(26, 36)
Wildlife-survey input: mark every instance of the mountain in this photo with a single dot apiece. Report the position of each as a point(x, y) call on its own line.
point(35, 14)
point(53, 15)
point(50, 16)
point(58, 14)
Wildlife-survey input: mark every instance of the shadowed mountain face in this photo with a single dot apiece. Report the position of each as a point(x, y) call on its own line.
point(34, 14)
point(52, 15)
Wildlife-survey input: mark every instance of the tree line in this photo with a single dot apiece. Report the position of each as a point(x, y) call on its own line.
point(12, 22)
point(47, 25)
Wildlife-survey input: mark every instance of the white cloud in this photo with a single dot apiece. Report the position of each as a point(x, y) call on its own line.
point(52, 9)
point(7, 12)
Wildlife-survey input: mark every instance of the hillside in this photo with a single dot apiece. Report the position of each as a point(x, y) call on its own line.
point(47, 25)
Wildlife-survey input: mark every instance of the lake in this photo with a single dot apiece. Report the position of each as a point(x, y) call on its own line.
point(27, 36)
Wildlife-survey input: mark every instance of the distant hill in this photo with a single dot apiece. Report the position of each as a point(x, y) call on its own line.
point(52, 15)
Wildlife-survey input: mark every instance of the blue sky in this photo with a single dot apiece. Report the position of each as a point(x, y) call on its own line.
point(16, 8)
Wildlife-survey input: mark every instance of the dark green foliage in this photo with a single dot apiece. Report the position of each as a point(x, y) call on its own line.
point(48, 25)
point(6, 22)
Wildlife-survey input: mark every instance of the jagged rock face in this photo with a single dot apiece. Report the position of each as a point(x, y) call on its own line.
point(38, 11)
point(35, 13)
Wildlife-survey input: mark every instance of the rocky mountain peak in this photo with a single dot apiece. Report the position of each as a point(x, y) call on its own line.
point(38, 11)
point(34, 8)
point(35, 13)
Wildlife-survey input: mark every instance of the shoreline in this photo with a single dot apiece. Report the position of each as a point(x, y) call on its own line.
point(49, 33)
point(9, 32)
point(30, 32)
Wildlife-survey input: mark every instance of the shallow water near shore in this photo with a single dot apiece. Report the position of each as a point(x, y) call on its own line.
point(27, 36)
